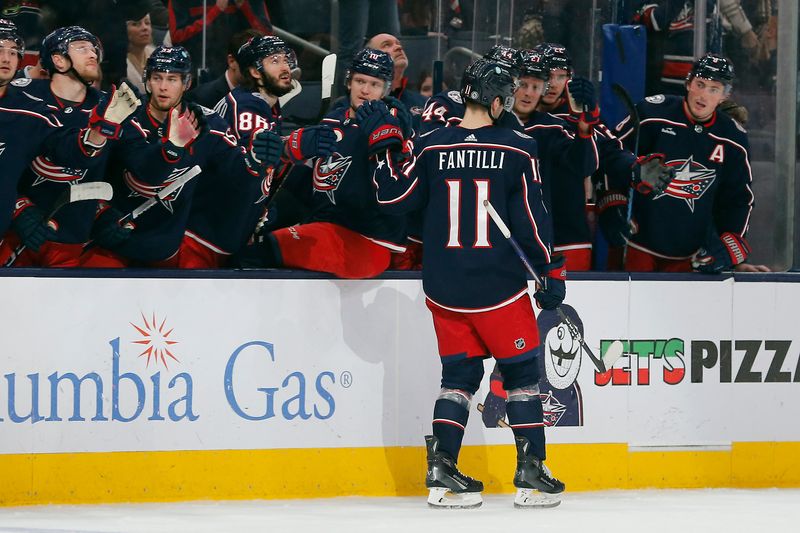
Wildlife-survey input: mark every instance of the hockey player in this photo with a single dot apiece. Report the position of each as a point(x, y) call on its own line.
point(565, 159)
point(346, 234)
point(27, 125)
point(476, 287)
point(250, 110)
point(72, 56)
point(191, 135)
point(700, 220)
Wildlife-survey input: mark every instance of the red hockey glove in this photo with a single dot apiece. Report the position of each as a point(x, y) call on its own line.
point(583, 101)
point(651, 175)
point(112, 110)
point(720, 253)
point(382, 129)
point(313, 141)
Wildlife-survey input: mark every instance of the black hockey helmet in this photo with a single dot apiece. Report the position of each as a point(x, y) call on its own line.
point(9, 32)
point(533, 64)
point(59, 40)
point(713, 67)
point(508, 57)
point(257, 48)
point(375, 63)
point(169, 59)
point(486, 80)
point(555, 56)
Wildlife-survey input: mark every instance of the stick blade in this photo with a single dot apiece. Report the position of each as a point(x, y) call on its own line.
point(328, 74)
point(613, 353)
point(97, 190)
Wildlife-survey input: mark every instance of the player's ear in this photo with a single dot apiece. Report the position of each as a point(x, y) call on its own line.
point(254, 73)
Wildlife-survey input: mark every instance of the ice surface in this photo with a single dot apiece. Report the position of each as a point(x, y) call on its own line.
point(650, 511)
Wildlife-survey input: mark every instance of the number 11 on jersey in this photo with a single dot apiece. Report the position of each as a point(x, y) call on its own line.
point(481, 215)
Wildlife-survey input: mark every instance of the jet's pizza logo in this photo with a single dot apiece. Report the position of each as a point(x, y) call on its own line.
point(158, 346)
point(691, 181)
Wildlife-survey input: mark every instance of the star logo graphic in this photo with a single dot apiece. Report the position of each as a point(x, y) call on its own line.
point(691, 181)
point(380, 163)
point(157, 343)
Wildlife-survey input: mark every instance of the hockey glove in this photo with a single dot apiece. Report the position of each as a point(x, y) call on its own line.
point(30, 225)
point(112, 110)
point(380, 126)
point(400, 110)
point(720, 253)
point(107, 231)
point(494, 406)
point(612, 211)
point(266, 147)
point(554, 286)
point(651, 175)
point(313, 141)
point(583, 101)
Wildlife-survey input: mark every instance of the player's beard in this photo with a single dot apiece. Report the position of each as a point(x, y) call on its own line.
point(272, 86)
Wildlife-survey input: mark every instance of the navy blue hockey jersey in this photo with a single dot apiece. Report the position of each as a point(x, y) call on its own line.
point(468, 265)
point(712, 184)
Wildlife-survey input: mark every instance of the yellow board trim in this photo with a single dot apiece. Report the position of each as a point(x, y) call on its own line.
point(297, 473)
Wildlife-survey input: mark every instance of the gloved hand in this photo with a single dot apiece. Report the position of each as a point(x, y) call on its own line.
point(106, 231)
point(266, 147)
point(554, 287)
point(494, 406)
point(112, 110)
point(380, 126)
point(721, 253)
point(612, 212)
point(651, 175)
point(30, 225)
point(313, 141)
point(400, 110)
point(583, 100)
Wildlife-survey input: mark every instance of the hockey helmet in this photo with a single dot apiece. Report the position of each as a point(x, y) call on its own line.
point(59, 40)
point(505, 56)
point(555, 56)
point(533, 64)
point(373, 63)
point(252, 52)
point(169, 59)
point(9, 32)
point(713, 67)
point(486, 80)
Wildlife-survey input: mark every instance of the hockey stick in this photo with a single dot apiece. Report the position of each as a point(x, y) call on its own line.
point(162, 195)
point(625, 98)
point(96, 190)
point(328, 74)
point(500, 423)
point(614, 351)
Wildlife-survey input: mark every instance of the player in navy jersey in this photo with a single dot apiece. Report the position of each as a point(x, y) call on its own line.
point(72, 56)
point(345, 234)
point(476, 287)
point(565, 159)
point(266, 63)
point(26, 125)
point(188, 135)
point(700, 220)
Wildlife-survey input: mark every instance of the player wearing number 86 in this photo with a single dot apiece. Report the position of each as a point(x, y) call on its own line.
point(476, 287)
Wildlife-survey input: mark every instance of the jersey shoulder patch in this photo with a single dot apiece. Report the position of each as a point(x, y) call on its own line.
point(656, 99)
point(21, 82)
point(455, 96)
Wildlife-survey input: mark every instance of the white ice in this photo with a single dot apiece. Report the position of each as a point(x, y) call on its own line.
point(650, 511)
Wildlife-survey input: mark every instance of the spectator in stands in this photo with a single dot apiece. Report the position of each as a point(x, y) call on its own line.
point(390, 44)
point(140, 45)
point(223, 19)
point(359, 18)
point(208, 94)
point(425, 84)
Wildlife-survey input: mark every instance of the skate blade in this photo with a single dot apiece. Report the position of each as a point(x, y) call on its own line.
point(534, 499)
point(442, 498)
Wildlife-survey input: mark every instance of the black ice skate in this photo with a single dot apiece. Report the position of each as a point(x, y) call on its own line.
point(536, 486)
point(449, 488)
